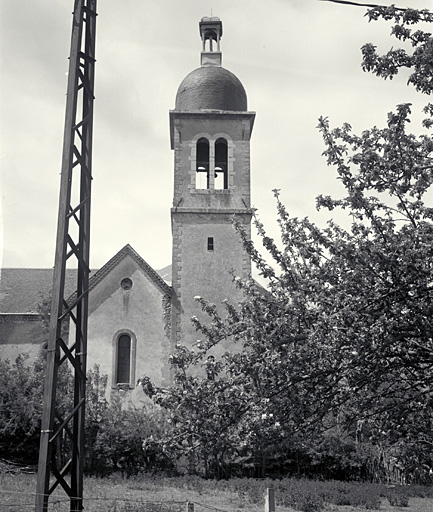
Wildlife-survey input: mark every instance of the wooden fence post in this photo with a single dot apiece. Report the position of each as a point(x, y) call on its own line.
point(190, 507)
point(270, 500)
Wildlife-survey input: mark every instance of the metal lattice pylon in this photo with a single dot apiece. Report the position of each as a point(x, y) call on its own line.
point(72, 246)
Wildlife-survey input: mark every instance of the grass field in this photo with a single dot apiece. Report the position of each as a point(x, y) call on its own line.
point(147, 494)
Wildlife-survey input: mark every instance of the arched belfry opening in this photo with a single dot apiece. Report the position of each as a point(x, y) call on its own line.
point(202, 164)
point(221, 165)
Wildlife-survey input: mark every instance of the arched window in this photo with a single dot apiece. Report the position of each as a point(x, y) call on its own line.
point(124, 345)
point(202, 166)
point(221, 165)
point(123, 367)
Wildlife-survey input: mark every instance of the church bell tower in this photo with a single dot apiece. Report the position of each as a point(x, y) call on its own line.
point(210, 130)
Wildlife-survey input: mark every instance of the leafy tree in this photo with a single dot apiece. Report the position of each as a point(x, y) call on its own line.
point(342, 339)
point(200, 413)
point(19, 408)
point(390, 64)
point(21, 405)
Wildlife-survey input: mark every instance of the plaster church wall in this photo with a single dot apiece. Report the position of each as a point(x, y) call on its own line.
point(21, 334)
point(139, 310)
point(195, 272)
point(136, 311)
point(22, 291)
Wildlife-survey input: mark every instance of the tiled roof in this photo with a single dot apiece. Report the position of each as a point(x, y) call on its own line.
point(22, 289)
point(211, 88)
point(166, 274)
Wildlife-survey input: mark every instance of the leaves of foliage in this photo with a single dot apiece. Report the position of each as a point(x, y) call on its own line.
point(419, 61)
point(340, 344)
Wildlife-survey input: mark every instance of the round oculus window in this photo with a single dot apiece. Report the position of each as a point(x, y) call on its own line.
point(126, 283)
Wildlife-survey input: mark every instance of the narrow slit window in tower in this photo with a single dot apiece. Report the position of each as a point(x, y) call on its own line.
point(221, 165)
point(202, 164)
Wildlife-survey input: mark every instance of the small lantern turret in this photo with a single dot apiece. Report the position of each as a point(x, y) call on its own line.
point(211, 30)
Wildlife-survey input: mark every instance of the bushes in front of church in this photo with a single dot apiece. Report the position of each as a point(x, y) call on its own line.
point(21, 403)
point(128, 440)
point(117, 439)
point(195, 433)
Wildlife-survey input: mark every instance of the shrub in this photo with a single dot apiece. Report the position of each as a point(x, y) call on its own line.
point(129, 440)
point(398, 500)
point(398, 496)
point(21, 392)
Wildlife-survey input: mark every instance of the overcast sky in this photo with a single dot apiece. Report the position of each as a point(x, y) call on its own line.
point(297, 59)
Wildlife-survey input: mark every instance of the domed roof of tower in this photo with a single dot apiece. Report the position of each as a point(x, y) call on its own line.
point(211, 87)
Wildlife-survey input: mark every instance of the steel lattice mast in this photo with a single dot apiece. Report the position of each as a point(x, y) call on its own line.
point(72, 245)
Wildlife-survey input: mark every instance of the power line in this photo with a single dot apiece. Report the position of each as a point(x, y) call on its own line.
point(347, 2)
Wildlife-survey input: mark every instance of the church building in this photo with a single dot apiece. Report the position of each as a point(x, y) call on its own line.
point(136, 314)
